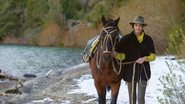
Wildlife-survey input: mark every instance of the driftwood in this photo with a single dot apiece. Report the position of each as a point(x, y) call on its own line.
point(4, 76)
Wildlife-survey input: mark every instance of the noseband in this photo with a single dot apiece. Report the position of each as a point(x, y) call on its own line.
point(108, 37)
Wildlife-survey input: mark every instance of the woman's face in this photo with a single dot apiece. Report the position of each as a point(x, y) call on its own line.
point(138, 28)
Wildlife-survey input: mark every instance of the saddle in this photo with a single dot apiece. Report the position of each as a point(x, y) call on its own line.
point(91, 48)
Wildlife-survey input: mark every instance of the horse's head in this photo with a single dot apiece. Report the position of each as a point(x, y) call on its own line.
point(109, 36)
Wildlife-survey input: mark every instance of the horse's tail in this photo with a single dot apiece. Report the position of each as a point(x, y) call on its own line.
point(108, 88)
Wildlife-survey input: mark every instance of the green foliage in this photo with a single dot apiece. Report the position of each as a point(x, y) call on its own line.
point(36, 11)
point(181, 51)
point(175, 39)
point(103, 7)
point(183, 14)
point(10, 22)
point(71, 9)
point(19, 17)
point(97, 11)
point(54, 13)
point(174, 85)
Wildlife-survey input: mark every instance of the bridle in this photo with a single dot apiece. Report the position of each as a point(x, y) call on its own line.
point(108, 37)
point(104, 42)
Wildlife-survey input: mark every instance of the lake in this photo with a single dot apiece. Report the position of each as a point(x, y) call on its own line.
point(20, 59)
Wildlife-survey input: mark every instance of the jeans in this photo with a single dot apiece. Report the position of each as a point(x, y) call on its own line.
point(141, 92)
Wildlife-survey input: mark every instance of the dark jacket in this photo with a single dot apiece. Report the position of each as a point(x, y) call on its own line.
point(134, 50)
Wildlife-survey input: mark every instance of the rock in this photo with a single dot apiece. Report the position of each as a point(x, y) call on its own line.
point(13, 91)
point(6, 84)
point(29, 75)
point(54, 84)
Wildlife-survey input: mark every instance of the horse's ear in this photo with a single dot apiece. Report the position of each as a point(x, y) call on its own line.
point(117, 21)
point(103, 19)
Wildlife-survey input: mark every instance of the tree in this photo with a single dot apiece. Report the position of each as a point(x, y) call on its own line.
point(12, 17)
point(71, 9)
point(36, 11)
point(55, 13)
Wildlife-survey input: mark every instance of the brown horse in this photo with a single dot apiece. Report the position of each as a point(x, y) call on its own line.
point(104, 68)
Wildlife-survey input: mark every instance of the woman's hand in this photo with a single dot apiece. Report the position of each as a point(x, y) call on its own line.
point(141, 60)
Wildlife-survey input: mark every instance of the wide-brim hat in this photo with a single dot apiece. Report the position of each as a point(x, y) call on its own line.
point(139, 20)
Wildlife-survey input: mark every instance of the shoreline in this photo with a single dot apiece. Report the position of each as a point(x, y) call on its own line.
point(54, 85)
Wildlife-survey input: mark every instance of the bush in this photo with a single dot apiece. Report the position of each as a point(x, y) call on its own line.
point(174, 85)
point(181, 51)
point(97, 11)
point(174, 40)
point(103, 7)
point(10, 19)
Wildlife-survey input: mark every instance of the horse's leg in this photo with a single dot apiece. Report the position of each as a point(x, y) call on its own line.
point(114, 92)
point(101, 92)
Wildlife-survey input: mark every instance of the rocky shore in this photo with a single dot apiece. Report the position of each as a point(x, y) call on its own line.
point(50, 88)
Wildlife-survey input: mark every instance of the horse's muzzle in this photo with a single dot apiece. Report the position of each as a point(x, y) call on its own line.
point(106, 57)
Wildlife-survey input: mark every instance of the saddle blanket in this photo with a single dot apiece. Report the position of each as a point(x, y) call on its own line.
point(91, 47)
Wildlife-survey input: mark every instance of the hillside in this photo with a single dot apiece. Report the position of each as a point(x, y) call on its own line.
point(55, 24)
point(161, 17)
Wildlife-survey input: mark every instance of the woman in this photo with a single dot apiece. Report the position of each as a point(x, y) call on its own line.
point(139, 50)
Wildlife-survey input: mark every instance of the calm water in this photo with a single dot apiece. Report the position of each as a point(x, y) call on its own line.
point(20, 59)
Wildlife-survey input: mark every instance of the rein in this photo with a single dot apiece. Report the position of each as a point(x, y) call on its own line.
point(105, 41)
point(133, 76)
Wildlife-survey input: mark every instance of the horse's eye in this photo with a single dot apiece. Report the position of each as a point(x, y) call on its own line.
point(117, 38)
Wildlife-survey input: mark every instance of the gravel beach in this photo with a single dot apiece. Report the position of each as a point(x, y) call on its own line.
point(50, 88)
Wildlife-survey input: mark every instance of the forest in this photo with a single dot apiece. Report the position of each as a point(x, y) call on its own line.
point(67, 22)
